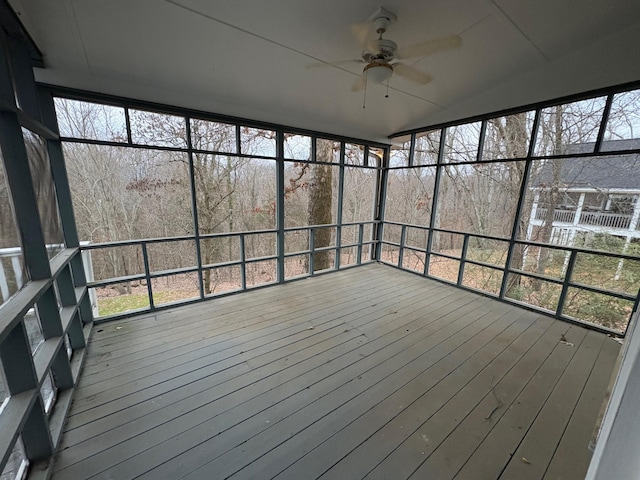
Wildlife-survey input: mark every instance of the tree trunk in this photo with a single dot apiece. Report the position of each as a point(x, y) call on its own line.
point(552, 197)
point(319, 208)
point(515, 134)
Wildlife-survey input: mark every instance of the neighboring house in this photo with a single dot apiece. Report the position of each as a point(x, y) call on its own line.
point(594, 195)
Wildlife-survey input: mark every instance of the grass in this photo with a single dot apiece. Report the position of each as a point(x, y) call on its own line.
point(123, 303)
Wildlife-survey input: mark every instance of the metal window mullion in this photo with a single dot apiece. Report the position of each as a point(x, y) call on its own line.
point(280, 213)
point(566, 283)
point(243, 263)
point(360, 239)
point(636, 306)
point(412, 149)
point(311, 250)
point(483, 132)
point(515, 228)
point(434, 201)
point(603, 123)
point(194, 206)
point(238, 139)
point(403, 240)
point(147, 273)
point(381, 198)
point(463, 258)
point(339, 212)
point(127, 120)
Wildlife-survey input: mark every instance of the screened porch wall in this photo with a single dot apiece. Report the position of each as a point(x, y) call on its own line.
point(482, 204)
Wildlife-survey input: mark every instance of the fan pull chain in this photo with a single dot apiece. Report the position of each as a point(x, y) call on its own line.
point(387, 94)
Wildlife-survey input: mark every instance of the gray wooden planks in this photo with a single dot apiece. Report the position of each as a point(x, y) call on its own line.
point(341, 375)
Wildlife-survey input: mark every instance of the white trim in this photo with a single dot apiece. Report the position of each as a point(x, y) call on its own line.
point(616, 453)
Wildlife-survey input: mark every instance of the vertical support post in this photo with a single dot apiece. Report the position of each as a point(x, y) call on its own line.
point(243, 264)
point(20, 183)
point(312, 250)
point(360, 240)
point(147, 273)
point(403, 239)
point(339, 212)
point(463, 259)
point(565, 283)
point(434, 203)
point(24, 80)
point(59, 171)
point(280, 237)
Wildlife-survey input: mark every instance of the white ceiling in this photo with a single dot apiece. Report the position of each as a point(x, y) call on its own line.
point(251, 58)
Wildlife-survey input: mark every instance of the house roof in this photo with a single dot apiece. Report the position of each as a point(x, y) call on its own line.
point(595, 173)
point(281, 61)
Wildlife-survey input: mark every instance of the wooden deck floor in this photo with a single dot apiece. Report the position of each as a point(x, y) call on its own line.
point(368, 373)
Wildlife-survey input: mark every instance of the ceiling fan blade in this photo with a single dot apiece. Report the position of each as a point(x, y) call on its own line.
point(358, 85)
point(429, 47)
point(338, 63)
point(363, 33)
point(411, 73)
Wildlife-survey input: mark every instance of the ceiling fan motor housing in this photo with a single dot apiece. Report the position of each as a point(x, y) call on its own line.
point(382, 49)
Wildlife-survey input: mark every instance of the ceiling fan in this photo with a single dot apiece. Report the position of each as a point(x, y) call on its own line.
point(380, 55)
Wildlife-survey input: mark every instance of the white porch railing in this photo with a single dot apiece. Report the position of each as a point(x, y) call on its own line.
point(12, 274)
point(611, 220)
point(11, 277)
point(594, 219)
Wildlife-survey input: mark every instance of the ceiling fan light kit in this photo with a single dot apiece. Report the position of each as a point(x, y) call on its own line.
point(378, 72)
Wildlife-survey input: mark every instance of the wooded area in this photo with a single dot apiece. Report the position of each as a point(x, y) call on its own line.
point(482, 199)
point(137, 174)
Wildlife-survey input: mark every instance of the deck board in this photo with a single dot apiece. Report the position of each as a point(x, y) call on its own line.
point(370, 372)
